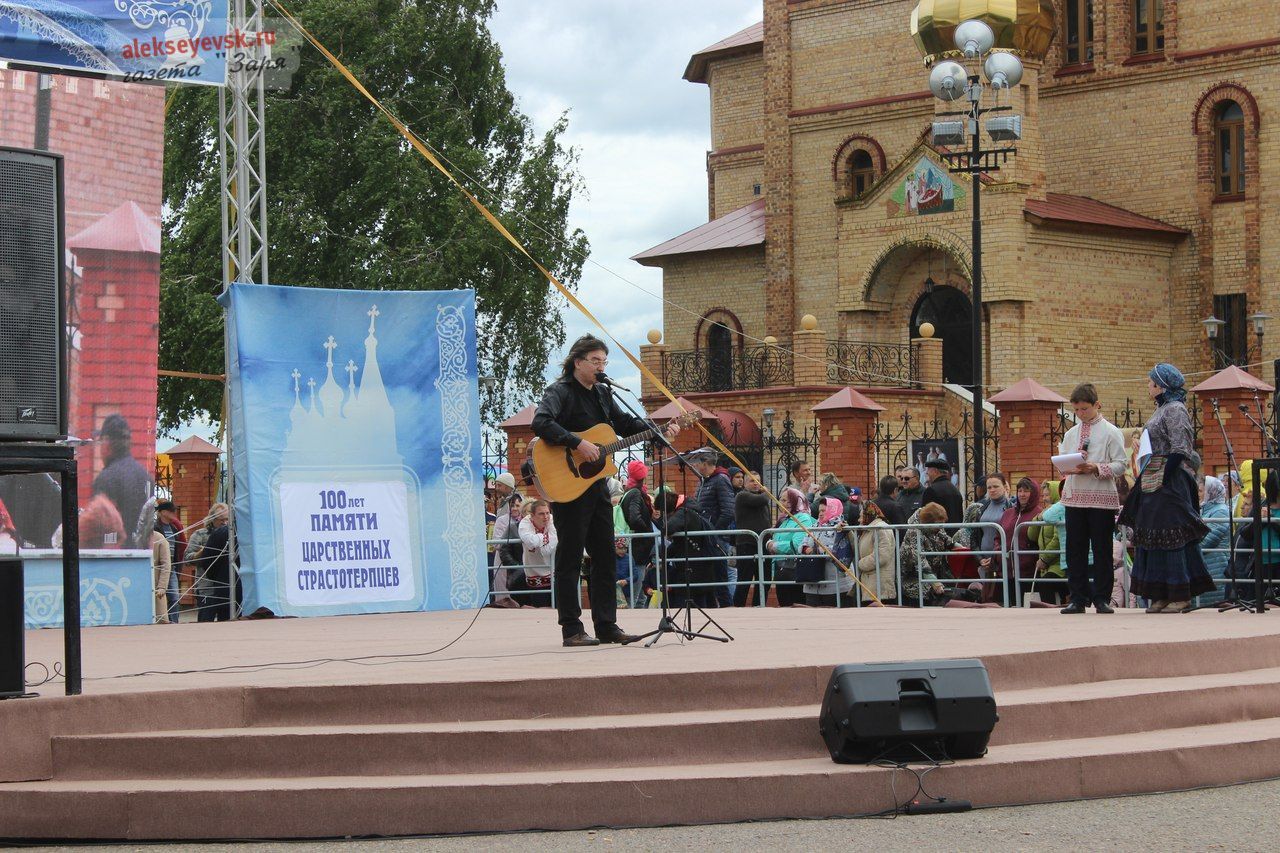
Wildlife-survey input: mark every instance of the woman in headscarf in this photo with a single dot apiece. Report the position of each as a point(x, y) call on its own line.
point(1162, 509)
point(835, 580)
point(1024, 509)
point(1213, 547)
point(875, 553)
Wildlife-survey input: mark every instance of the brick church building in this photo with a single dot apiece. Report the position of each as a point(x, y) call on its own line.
point(1136, 207)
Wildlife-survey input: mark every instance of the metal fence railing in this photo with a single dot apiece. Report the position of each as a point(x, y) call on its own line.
point(774, 553)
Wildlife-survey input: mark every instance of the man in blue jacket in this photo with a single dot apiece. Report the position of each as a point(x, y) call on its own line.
point(714, 502)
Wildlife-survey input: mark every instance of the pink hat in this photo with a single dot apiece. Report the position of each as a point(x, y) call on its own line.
point(637, 470)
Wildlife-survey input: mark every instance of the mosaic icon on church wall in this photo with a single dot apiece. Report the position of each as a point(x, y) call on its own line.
point(926, 190)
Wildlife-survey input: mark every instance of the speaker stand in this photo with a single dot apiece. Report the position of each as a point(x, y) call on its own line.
point(60, 459)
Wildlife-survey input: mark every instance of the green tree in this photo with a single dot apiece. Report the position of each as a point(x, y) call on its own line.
point(351, 205)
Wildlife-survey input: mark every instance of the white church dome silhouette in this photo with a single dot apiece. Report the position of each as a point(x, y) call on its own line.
point(357, 425)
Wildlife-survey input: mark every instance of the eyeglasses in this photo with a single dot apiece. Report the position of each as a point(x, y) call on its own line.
point(598, 362)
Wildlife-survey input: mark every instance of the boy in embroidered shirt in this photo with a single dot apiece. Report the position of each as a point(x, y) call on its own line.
point(1091, 501)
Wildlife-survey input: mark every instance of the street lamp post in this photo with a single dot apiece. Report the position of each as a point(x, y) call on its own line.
point(951, 81)
point(1259, 321)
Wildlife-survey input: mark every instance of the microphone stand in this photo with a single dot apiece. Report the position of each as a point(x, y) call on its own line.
point(668, 623)
point(1268, 440)
point(1232, 601)
point(1266, 436)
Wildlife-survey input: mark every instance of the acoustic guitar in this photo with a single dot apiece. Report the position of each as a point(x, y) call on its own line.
point(561, 476)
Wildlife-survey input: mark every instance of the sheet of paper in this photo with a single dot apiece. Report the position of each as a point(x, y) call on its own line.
point(1144, 446)
point(1067, 463)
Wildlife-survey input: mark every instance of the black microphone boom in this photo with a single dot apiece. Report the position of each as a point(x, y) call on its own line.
point(600, 377)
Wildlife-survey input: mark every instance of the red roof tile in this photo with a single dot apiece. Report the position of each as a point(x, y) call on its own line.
point(742, 227)
point(739, 42)
point(680, 407)
point(524, 417)
point(125, 229)
point(194, 444)
point(1233, 379)
point(848, 398)
point(1026, 391)
point(1060, 208)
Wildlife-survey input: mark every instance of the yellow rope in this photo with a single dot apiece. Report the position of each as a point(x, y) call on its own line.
point(431, 158)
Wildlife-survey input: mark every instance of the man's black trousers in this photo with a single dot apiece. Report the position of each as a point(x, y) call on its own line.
point(586, 522)
point(1089, 529)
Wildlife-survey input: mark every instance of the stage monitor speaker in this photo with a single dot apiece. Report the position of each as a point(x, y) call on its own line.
point(13, 654)
point(937, 709)
point(33, 402)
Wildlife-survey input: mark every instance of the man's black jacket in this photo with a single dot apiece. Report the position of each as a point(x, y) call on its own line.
point(568, 407)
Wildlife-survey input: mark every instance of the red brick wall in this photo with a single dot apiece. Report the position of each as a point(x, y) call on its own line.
point(118, 307)
point(111, 136)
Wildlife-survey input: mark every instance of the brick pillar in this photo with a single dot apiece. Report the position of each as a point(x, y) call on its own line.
point(928, 353)
point(1028, 412)
point(195, 483)
point(118, 308)
point(1231, 388)
point(846, 422)
point(1025, 446)
point(519, 430)
point(809, 364)
point(780, 290)
point(652, 355)
point(194, 465)
point(1244, 436)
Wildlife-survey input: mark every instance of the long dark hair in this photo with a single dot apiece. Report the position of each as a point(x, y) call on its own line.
point(579, 349)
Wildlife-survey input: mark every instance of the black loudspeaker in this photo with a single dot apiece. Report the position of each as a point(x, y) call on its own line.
point(13, 654)
point(33, 401)
point(908, 711)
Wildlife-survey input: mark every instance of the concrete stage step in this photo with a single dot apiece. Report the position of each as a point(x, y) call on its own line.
point(325, 806)
point(709, 736)
point(500, 740)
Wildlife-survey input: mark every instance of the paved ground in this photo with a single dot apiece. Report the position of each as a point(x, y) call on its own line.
point(1242, 817)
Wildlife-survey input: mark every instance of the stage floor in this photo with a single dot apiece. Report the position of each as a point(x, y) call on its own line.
point(506, 645)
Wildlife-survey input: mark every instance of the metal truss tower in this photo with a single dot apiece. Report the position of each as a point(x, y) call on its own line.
point(242, 147)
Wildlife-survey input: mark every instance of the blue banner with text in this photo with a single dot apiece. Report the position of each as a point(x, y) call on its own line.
point(355, 433)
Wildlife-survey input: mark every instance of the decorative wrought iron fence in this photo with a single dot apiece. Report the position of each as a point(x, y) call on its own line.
point(780, 450)
point(857, 362)
point(691, 371)
point(493, 454)
point(910, 441)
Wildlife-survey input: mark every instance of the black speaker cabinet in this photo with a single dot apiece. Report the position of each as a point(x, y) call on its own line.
point(903, 711)
point(12, 641)
point(33, 403)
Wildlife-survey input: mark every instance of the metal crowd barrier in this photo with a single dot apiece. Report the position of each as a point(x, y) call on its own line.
point(1007, 558)
point(767, 563)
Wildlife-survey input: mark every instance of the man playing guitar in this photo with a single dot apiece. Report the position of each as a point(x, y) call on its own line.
point(573, 403)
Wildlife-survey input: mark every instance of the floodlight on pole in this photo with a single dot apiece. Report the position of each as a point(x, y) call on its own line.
point(974, 38)
point(948, 80)
point(1003, 70)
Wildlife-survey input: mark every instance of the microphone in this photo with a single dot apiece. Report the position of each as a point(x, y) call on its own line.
point(600, 377)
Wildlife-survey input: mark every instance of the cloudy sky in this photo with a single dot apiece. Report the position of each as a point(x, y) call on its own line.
point(642, 132)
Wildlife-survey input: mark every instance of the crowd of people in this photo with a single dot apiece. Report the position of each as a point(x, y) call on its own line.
point(1125, 527)
point(199, 565)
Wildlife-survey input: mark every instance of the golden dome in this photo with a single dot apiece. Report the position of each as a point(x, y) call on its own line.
point(1025, 27)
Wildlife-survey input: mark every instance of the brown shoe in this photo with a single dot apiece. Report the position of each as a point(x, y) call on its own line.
point(618, 636)
point(1177, 607)
point(582, 639)
point(1158, 606)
